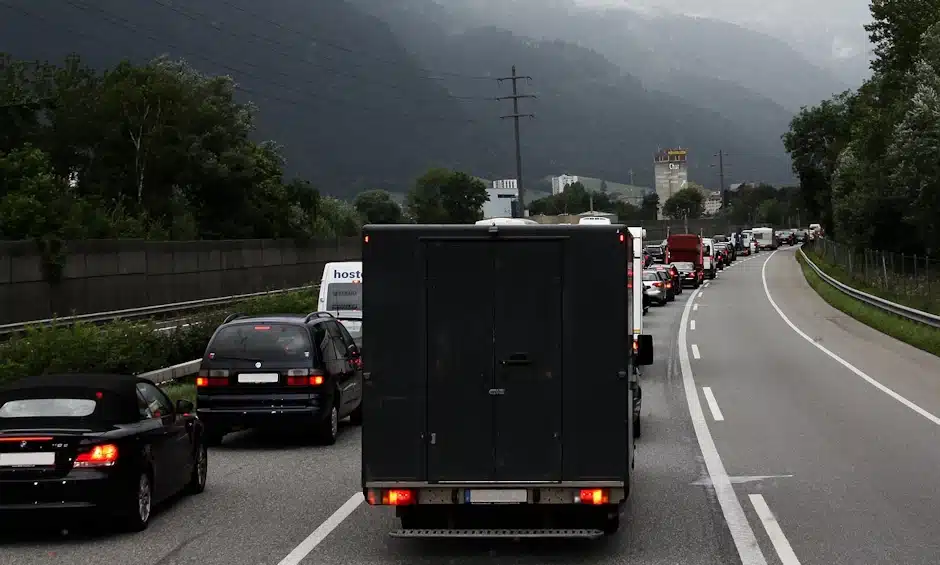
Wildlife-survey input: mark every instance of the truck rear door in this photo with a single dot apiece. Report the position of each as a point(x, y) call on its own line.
point(494, 359)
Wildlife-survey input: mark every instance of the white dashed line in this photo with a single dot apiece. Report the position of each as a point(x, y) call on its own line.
point(774, 532)
point(695, 306)
point(840, 360)
point(712, 403)
point(695, 352)
point(316, 538)
point(741, 532)
point(692, 325)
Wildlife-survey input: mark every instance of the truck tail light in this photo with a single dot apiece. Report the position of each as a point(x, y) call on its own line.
point(214, 377)
point(304, 377)
point(104, 455)
point(593, 496)
point(393, 497)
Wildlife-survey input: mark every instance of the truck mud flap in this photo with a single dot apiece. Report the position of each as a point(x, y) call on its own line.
point(500, 533)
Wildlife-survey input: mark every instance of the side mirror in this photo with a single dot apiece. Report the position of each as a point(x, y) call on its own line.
point(184, 407)
point(643, 352)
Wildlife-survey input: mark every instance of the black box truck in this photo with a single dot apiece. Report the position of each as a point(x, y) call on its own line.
point(499, 383)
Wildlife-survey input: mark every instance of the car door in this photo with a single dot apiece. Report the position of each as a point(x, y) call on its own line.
point(349, 388)
point(173, 438)
point(332, 361)
point(355, 365)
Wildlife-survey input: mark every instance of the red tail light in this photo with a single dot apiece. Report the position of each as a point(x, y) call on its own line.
point(394, 497)
point(658, 284)
point(213, 377)
point(668, 285)
point(593, 496)
point(304, 377)
point(104, 455)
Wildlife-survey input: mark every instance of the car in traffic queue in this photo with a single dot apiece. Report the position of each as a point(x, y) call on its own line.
point(352, 321)
point(285, 371)
point(723, 254)
point(672, 276)
point(657, 253)
point(654, 287)
point(689, 275)
point(112, 445)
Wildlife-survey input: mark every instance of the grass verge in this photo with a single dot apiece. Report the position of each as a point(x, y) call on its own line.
point(920, 336)
point(180, 391)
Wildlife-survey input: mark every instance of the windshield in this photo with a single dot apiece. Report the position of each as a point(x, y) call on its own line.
point(650, 276)
point(344, 296)
point(269, 342)
point(48, 408)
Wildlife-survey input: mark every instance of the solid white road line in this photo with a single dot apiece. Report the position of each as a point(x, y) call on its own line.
point(706, 285)
point(695, 352)
point(318, 535)
point(695, 307)
point(774, 532)
point(741, 532)
point(692, 325)
point(712, 403)
point(840, 360)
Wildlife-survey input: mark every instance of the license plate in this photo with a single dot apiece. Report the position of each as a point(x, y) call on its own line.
point(258, 377)
point(499, 496)
point(27, 459)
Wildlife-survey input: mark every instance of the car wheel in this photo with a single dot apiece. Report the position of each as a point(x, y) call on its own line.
point(197, 481)
point(135, 516)
point(329, 427)
point(212, 437)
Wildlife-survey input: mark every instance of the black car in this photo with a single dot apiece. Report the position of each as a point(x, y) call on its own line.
point(113, 444)
point(303, 373)
point(657, 253)
point(688, 274)
point(352, 320)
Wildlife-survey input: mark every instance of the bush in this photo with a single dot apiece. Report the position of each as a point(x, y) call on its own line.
point(130, 346)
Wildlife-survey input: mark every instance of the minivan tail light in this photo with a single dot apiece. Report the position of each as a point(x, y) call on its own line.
point(304, 377)
point(104, 455)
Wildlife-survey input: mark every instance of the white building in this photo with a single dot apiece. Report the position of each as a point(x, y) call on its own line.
point(500, 200)
point(713, 203)
point(560, 182)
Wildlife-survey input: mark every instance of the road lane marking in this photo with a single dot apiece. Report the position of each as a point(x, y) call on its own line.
point(741, 532)
point(713, 404)
point(692, 325)
point(313, 540)
point(777, 537)
point(695, 307)
point(706, 482)
point(706, 285)
point(695, 352)
point(700, 293)
point(840, 360)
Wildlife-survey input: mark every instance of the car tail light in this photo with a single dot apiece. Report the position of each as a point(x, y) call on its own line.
point(668, 285)
point(658, 284)
point(304, 377)
point(393, 497)
point(593, 496)
point(104, 455)
point(214, 377)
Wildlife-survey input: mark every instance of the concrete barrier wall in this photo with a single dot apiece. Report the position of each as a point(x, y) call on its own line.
point(103, 275)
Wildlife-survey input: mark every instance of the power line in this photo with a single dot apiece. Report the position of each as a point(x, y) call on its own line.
point(156, 39)
point(515, 117)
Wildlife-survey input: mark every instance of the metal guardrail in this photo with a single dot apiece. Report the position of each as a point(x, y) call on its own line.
point(146, 311)
point(897, 309)
point(167, 374)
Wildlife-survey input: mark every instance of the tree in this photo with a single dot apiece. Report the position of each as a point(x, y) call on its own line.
point(687, 203)
point(576, 199)
point(377, 207)
point(441, 196)
point(650, 206)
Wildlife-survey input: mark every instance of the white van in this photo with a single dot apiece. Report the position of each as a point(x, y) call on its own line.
point(596, 220)
point(341, 286)
point(708, 258)
point(506, 222)
point(765, 238)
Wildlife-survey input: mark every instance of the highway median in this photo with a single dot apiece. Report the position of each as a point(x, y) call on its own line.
point(132, 346)
point(913, 333)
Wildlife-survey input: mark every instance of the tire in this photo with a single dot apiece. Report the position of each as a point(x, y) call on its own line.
point(197, 481)
point(135, 513)
point(328, 428)
point(212, 437)
point(356, 416)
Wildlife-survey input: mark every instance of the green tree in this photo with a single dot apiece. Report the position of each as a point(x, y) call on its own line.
point(687, 203)
point(377, 207)
point(575, 199)
point(649, 208)
point(441, 196)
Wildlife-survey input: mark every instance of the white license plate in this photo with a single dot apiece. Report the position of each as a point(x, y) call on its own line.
point(499, 496)
point(27, 459)
point(258, 377)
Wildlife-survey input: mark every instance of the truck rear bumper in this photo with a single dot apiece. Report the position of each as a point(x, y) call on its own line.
point(508, 533)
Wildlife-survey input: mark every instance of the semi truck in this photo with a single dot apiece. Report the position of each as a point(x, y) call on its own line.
point(498, 380)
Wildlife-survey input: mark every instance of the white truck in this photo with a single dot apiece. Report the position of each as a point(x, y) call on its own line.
point(709, 266)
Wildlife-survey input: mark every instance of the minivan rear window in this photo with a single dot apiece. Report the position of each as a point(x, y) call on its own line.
point(262, 341)
point(344, 296)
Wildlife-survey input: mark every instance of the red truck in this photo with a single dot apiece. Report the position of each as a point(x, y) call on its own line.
point(688, 248)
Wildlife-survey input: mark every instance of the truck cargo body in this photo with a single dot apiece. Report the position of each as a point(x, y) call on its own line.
point(498, 378)
point(687, 247)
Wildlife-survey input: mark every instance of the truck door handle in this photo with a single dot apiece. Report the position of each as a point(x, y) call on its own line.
point(517, 359)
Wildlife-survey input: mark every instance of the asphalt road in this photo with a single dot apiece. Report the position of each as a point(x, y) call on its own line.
point(808, 463)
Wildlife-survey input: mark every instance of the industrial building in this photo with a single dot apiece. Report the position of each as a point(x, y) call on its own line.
point(672, 174)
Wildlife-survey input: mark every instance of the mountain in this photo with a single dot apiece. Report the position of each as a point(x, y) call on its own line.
point(372, 94)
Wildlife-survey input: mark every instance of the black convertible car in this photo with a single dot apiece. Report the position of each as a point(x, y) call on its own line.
point(114, 444)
